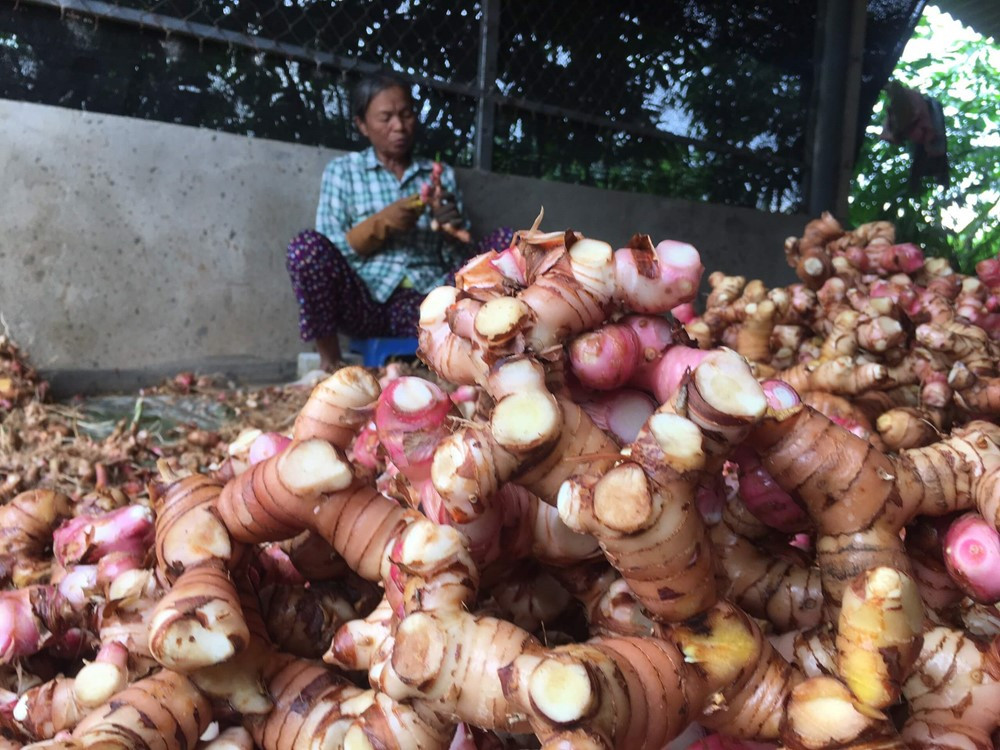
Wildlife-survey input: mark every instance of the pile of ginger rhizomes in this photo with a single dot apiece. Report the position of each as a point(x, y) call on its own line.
point(586, 532)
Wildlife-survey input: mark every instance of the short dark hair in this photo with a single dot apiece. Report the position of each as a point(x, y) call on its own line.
point(371, 86)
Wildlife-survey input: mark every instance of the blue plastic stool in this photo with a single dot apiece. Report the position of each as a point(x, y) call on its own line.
point(375, 352)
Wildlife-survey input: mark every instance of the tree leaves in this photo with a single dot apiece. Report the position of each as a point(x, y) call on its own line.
point(960, 221)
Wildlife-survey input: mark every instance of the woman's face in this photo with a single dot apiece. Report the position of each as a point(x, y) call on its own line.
point(390, 123)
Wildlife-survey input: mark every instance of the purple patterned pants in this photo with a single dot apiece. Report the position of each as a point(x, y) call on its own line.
point(333, 299)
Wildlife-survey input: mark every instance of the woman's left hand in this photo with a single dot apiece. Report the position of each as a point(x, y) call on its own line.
point(444, 209)
point(445, 216)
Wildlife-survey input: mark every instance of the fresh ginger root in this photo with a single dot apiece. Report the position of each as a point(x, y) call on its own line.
point(26, 525)
point(188, 532)
point(725, 289)
point(43, 711)
point(239, 683)
point(653, 540)
point(876, 302)
point(313, 706)
point(302, 620)
point(780, 589)
point(583, 684)
point(876, 496)
point(573, 693)
point(233, 738)
point(637, 506)
point(338, 407)
point(101, 678)
point(426, 664)
point(971, 549)
point(56, 706)
point(422, 663)
point(753, 339)
point(822, 713)
point(309, 486)
point(906, 427)
point(628, 531)
point(413, 419)
point(841, 375)
point(198, 622)
point(275, 499)
point(392, 725)
point(354, 644)
point(748, 680)
point(953, 692)
point(879, 635)
point(550, 437)
point(164, 705)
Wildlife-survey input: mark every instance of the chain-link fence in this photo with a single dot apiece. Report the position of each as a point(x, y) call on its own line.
point(702, 99)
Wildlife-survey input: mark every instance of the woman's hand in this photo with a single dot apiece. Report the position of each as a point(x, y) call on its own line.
point(444, 209)
point(445, 216)
point(401, 216)
point(396, 218)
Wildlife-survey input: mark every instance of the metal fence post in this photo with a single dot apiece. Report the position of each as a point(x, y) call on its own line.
point(489, 33)
point(840, 46)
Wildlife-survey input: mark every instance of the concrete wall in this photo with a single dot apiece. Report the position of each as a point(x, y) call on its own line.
point(130, 249)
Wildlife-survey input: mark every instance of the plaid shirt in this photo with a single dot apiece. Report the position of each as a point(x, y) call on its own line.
point(356, 186)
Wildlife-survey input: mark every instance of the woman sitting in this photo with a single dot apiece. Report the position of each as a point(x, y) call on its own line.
point(377, 250)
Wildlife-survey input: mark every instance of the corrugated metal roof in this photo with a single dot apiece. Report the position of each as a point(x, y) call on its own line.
point(981, 15)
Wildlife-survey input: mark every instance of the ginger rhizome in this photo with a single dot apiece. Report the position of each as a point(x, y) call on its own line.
point(608, 516)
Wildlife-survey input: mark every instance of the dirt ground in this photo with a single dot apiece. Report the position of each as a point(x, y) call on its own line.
point(83, 444)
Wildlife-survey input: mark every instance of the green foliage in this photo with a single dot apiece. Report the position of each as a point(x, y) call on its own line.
point(961, 221)
point(720, 72)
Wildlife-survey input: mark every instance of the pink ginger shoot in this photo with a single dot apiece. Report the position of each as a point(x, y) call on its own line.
point(365, 448)
point(905, 257)
point(988, 272)
point(684, 313)
point(610, 356)
point(655, 333)
point(780, 395)
point(410, 420)
point(511, 265)
point(20, 634)
point(622, 412)
point(265, 445)
point(662, 377)
point(114, 564)
point(656, 280)
point(605, 359)
point(764, 498)
point(86, 539)
point(972, 555)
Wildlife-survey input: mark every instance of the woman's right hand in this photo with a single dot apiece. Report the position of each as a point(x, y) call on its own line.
point(397, 218)
point(402, 215)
